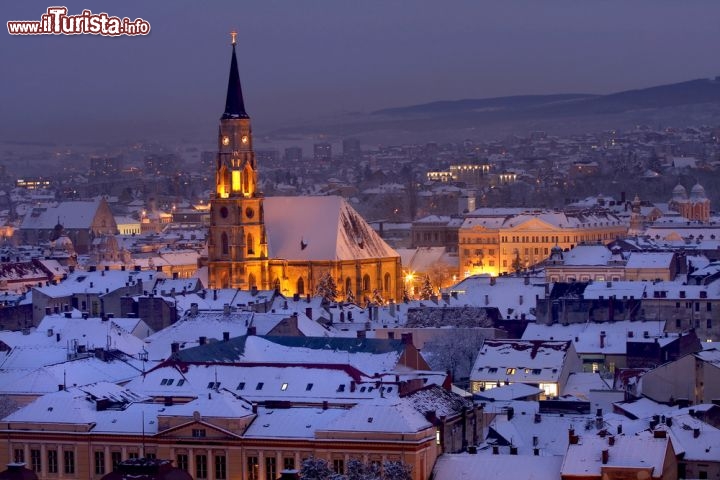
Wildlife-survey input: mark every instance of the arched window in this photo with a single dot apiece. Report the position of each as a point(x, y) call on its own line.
point(387, 283)
point(366, 283)
point(300, 286)
point(251, 281)
point(250, 244)
point(224, 244)
point(276, 284)
point(348, 285)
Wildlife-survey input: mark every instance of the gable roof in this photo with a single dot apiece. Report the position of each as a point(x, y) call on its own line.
point(320, 228)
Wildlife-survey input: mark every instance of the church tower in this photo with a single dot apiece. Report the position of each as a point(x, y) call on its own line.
point(237, 245)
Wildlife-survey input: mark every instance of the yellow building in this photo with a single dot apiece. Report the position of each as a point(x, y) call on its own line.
point(495, 241)
point(286, 243)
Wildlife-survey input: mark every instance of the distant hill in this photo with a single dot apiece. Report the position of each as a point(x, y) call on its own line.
point(684, 103)
point(684, 93)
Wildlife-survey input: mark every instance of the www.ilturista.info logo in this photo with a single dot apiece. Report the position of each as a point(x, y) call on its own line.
point(57, 22)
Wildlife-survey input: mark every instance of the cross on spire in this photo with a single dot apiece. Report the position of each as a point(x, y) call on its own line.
point(233, 37)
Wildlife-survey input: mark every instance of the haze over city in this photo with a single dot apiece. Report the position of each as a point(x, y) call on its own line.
point(376, 240)
point(308, 60)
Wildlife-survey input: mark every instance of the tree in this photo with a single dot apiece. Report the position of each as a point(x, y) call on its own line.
point(315, 469)
point(427, 290)
point(327, 288)
point(350, 296)
point(377, 297)
point(454, 352)
point(396, 470)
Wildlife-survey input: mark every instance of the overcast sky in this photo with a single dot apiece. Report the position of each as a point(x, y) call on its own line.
point(304, 59)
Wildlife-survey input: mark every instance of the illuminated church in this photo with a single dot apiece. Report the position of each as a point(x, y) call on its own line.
point(286, 243)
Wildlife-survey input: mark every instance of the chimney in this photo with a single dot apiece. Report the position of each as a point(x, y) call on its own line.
point(202, 340)
point(492, 281)
point(520, 300)
point(538, 418)
point(308, 312)
point(496, 450)
point(325, 405)
point(659, 434)
point(696, 432)
point(536, 451)
point(193, 309)
point(535, 441)
point(631, 334)
point(513, 450)
point(605, 456)
point(602, 339)
point(226, 336)
point(68, 315)
point(611, 440)
point(472, 450)
point(61, 387)
point(572, 438)
point(254, 407)
point(510, 413)
point(226, 309)
point(168, 401)
point(487, 299)
point(174, 347)
point(599, 413)
point(407, 338)
point(352, 386)
point(619, 429)
point(57, 337)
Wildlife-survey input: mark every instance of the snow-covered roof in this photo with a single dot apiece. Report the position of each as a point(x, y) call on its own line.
point(528, 361)
point(629, 451)
point(587, 336)
point(490, 467)
point(71, 215)
point(320, 228)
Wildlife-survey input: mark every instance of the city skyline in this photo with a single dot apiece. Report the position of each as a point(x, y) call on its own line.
point(303, 62)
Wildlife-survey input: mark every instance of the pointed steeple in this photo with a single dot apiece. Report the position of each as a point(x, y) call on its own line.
point(234, 104)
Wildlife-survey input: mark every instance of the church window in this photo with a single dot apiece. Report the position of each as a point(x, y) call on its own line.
point(236, 180)
point(225, 248)
point(276, 284)
point(387, 282)
point(300, 286)
point(251, 281)
point(366, 283)
point(250, 244)
point(348, 284)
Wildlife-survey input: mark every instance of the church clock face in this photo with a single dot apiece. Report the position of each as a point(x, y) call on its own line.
point(249, 212)
point(226, 140)
point(244, 139)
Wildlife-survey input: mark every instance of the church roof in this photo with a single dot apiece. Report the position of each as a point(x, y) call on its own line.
point(234, 104)
point(320, 228)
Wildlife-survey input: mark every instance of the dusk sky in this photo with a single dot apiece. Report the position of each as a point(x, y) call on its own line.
point(300, 60)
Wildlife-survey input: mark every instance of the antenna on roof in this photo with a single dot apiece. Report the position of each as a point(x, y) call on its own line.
point(142, 447)
point(64, 379)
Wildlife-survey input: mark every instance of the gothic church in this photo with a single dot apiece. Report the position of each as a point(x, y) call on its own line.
point(286, 243)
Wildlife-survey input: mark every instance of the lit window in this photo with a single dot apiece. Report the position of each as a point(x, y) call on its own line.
point(284, 387)
point(510, 371)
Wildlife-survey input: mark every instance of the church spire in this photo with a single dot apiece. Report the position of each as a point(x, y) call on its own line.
point(234, 104)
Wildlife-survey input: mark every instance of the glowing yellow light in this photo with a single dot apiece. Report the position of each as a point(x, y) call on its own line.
point(244, 139)
point(226, 141)
point(236, 180)
point(409, 277)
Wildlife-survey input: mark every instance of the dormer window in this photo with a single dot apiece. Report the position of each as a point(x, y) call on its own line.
point(259, 386)
point(241, 386)
point(309, 387)
point(284, 387)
